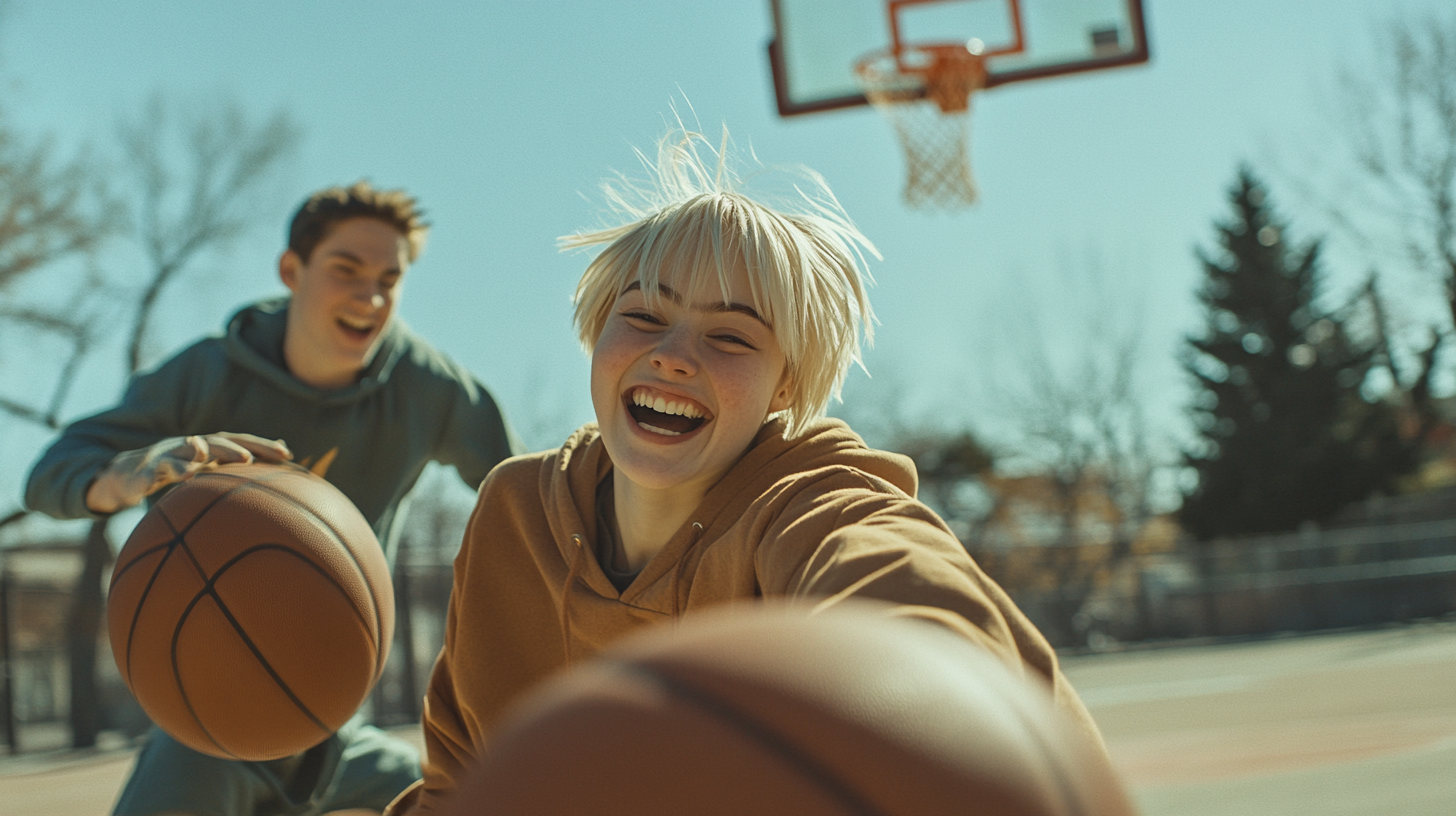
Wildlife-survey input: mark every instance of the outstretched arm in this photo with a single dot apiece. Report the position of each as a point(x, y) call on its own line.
point(114, 459)
point(848, 536)
point(133, 475)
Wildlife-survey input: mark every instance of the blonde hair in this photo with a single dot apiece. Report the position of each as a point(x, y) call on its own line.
point(804, 258)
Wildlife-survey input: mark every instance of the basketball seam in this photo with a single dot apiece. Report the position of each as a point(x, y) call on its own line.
point(209, 591)
point(178, 538)
point(181, 537)
point(136, 615)
point(262, 483)
point(177, 676)
point(312, 565)
point(134, 560)
point(776, 743)
point(182, 534)
point(140, 556)
point(359, 568)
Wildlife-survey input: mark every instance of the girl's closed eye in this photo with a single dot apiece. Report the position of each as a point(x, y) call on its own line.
point(643, 316)
point(735, 339)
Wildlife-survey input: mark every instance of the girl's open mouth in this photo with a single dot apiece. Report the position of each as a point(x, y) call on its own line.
point(660, 415)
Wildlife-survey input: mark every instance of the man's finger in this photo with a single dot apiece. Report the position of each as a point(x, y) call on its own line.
point(227, 452)
point(271, 450)
point(201, 450)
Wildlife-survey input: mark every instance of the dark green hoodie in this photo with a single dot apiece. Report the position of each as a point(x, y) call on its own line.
point(370, 439)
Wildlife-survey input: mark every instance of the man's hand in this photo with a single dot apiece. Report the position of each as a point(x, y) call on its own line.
point(134, 475)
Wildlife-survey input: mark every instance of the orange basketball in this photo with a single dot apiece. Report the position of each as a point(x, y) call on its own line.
point(768, 710)
point(251, 611)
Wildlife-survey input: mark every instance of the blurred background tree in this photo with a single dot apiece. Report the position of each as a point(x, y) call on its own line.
point(1399, 123)
point(193, 182)
point(52, 211)
point(185, 183)
point(1286, 434)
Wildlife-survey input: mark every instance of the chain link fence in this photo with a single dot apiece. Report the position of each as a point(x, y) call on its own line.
point(1311, 580)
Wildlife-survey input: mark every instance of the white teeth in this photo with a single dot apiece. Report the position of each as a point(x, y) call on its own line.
point(661, 405)
point(656, 430)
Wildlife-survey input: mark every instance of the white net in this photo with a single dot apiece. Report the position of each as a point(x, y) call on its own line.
point(933, 125)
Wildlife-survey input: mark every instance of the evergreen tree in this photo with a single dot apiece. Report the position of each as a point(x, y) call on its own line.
point(1286, 436)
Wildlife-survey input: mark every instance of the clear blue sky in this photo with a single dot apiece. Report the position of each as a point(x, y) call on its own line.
point(501, 117)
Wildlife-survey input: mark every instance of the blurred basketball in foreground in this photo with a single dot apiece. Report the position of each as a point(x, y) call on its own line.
point(251, 611)
point(765, 710)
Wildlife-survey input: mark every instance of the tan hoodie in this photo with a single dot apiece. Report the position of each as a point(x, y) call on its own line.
point(821, 517)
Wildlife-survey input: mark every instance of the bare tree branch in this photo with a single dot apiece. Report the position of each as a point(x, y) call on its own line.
point(78, 325)
point(48, 211)
point(207, 202)
point(25, 412)
point(1078, 421)
point(1400, 126)
point(195, 184)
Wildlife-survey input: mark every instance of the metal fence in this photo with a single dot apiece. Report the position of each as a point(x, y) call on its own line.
point(1310, 580)
point(1315, 579)
point(36, 583)
point(34, 676)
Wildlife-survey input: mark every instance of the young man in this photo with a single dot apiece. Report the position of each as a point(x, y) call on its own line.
point(719, 329)
point(329, 378)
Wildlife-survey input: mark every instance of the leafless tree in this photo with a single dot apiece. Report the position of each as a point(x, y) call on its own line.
point(51, 212)
point(193, 182)
point(1089, 423)
point(1400, 123)
point(1387, 186)
point(1413, 387)
point(1079, 421)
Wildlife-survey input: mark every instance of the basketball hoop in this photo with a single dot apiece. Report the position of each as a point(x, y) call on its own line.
point(925, 93)
point(919, 61)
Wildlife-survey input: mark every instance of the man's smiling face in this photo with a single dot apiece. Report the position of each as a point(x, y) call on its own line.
point(680, 389)
point(344, 296)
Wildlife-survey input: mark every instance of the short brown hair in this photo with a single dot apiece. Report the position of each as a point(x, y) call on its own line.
point(325, 208)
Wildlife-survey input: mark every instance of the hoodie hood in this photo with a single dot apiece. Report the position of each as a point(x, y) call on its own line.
point(819, 519)
point(569, 486)
point(254, 340)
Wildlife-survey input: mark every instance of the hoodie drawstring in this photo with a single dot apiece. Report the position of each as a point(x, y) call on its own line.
point(677, 573)
point(571, 575)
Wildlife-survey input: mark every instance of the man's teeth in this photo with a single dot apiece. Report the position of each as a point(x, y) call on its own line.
point(662, 406)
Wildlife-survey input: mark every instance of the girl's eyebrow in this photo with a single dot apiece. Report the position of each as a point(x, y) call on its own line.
point(672, 295)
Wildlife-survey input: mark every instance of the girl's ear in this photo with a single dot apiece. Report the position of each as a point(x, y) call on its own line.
point(780, 399)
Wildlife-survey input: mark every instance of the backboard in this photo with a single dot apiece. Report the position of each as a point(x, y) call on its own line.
point(817, 43)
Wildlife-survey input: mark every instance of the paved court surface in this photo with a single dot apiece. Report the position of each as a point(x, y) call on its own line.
point(1353, 724)
point(1348, 724)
